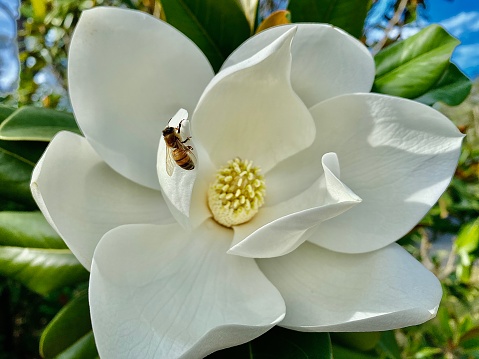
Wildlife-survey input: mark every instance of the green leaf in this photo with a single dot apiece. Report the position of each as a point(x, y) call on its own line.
point(410, 68)
point(28, 229)
point(85, 347)
point(69, 335)
point(389, 346)
point(360, 341)
point(452, 88)
point(468, 238)
point(17, 159)
point(344, 353)
point(36, 124)
point(216, 27)
point(41, 270)
point(281, 343)
point(349, 15)
point(5, 112)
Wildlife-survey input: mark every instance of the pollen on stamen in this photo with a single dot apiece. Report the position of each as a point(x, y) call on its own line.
point(237, 193)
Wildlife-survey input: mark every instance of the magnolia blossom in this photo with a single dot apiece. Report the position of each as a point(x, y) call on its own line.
point(302, 184)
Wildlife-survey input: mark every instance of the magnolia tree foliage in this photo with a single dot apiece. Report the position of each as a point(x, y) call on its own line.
point(276, 203)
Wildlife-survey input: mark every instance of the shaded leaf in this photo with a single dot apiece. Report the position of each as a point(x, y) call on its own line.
point(216, 27)
point(41, 270)
point(411, 67)
point(452, 88)
point(17, 160)
point(388, 345)
point(344, 353)
point(349, 15)
point(28, 229)
point(279, 17)
point(69, 334)
point(281, 343)
point(359, 341)
point(30, 123)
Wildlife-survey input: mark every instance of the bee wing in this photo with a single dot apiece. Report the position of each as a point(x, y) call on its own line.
point(170, 162)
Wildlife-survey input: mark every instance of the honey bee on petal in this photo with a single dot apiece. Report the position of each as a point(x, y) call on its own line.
point(176, 150)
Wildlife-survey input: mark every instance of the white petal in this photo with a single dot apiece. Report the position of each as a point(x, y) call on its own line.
point(162, 292)
point(188, 205)
point(128, 74)
point(327, 61)
point(250, 110)
point(83, 198)
point(280, 229)
point(329, 291)
point(396, 154)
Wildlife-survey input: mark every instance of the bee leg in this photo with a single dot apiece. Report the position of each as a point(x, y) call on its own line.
point(187, 139)
point(190, 148)
point(179, 125)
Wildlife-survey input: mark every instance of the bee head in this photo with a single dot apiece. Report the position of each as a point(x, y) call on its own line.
point(168, 131)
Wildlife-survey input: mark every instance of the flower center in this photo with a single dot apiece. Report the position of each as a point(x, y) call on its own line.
point(237, 193)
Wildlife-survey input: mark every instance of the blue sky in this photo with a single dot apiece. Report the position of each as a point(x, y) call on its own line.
point(461, 19)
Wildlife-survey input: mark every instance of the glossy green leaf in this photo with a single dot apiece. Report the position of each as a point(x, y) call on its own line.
point(281, 343)
point(69, 335)
point(17, 159)
point(36, 124)
point(349, 15)
point(85, 347)
point(5, 111)
point(216, 27)
point(41, 270)
point(360, 341)
point(28, 229)
point(452, 88)
point(410, 68)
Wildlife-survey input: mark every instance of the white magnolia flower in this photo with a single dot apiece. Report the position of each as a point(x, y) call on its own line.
point(344, 174)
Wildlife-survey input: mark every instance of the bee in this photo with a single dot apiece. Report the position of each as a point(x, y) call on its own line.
point(176, 150)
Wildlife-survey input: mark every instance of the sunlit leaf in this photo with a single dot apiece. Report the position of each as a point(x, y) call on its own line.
point(250, 8)
point(411, 67)
point(216, 27)
point(452, 88)
point(41, 270)
point(468, 238)
point(349, 15)
point(36, 124)
point(28, 229)
point(69, 335)
point(279, 17)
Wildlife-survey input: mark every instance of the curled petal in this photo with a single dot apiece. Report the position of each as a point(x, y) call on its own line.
point(280, 229)
point(399, 157)
point(125, 85)
point(176, 294)
point(327, 61)
point(83, 198)
point(248, 110)
point(330, 291)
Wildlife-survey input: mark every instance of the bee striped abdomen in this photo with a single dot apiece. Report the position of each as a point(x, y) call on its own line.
point(183, 159)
